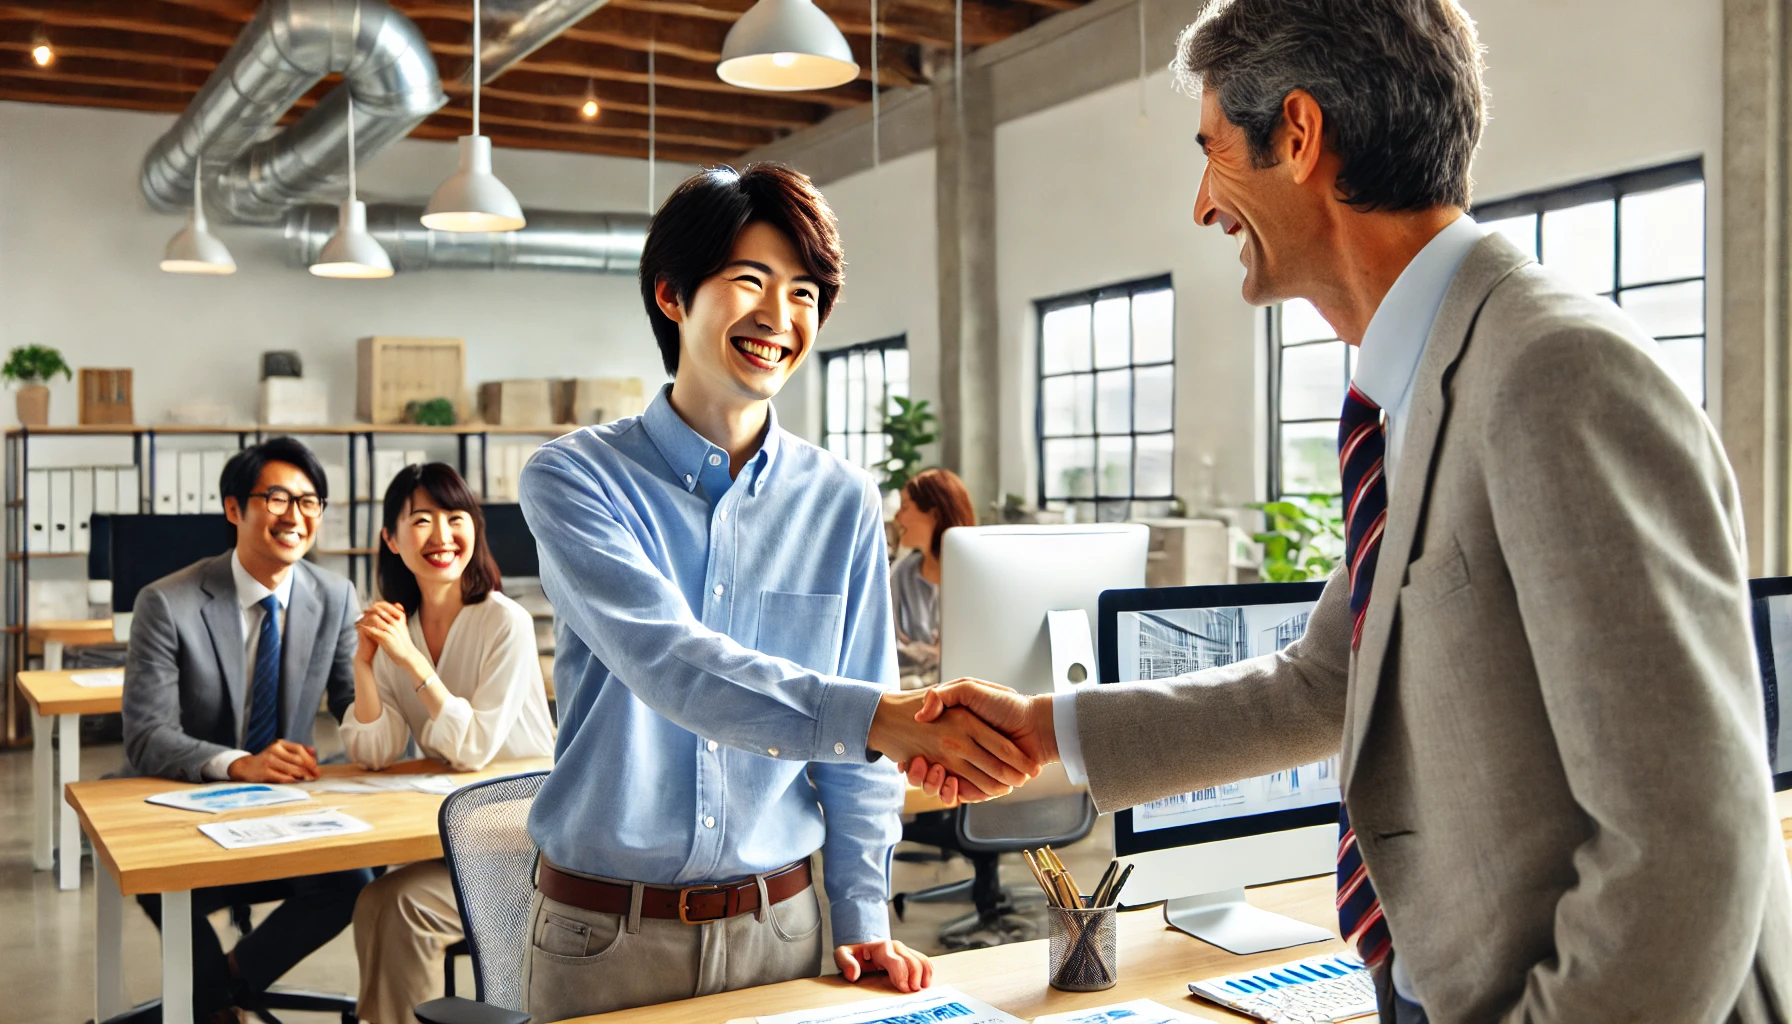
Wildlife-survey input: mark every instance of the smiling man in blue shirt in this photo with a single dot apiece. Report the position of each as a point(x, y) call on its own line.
point(725, 656)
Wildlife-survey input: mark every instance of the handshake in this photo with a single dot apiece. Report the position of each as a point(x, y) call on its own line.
point(966, 740)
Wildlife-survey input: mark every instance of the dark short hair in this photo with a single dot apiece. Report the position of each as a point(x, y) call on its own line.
point(942, 495)
point(1399, 82)
point(694, 231)
point(450, 492)
point(244, 468)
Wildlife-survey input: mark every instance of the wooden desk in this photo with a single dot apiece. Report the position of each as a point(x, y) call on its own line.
point(50, 636)
point(57, 702)
point(147, 848)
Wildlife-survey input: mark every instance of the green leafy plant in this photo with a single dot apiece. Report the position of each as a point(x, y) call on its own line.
point(909, 427)
point(437, 412)
point(1303, 537)
point(33, 364)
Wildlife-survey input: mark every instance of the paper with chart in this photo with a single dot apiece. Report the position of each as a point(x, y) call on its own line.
point(440, 785)
point(230, 796)
point(938, 1005)
point(285, 828)
point(1139, 1011)
point(98, 677)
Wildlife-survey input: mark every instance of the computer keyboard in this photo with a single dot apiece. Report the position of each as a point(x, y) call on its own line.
point(1317, 990)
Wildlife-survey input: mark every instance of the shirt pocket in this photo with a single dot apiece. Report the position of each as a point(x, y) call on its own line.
point(804, 628)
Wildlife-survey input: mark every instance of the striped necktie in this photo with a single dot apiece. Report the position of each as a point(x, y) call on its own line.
point(1361, 446)
point(264, 690)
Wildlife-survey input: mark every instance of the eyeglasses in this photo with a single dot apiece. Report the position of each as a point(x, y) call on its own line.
point(279, 499)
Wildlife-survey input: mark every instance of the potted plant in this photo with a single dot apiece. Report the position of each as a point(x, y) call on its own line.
point(1303, 537)
point(31, 367)
point(910, 427)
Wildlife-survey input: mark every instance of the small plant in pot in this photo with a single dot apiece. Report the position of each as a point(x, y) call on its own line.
point(31, 367)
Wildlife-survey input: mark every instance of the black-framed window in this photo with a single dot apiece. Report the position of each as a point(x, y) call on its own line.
point(1107, 389)
point(858, 383)
point(1636, 238)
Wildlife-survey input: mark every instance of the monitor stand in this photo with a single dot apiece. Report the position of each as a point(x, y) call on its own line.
point(1225, 920)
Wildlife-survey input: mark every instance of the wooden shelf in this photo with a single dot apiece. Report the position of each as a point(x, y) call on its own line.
point(344, 429)
point(17, 555)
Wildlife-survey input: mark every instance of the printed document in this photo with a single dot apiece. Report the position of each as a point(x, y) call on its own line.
point(1139, 1011)
point(440, 785)
point(938, 1005)
point(285, 828)
point(230, 796)
point(98, 677)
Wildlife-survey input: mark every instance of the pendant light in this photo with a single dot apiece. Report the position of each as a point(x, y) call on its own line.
point(351, 252)
point(473, 199)
point(785, 46)
point(195, 250)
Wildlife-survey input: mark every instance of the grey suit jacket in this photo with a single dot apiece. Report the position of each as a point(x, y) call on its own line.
point(184, 677)
point(1552, 736)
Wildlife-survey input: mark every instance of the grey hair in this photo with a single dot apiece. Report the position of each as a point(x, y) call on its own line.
point(1399, 82)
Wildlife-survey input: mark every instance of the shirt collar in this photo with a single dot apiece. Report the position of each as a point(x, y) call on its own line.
point(688, 452)
point(1395, 339)
point(249, 590)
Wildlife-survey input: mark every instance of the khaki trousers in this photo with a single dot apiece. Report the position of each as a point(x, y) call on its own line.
point(404, 920)
point(581, 962)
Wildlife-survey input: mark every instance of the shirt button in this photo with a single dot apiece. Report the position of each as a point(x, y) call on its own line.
point(839, 748)
point(712, 746)
point(709, 822)
point(714, 459)
point(772, 751)
point(718, 590)
point(724, 515)
point(688, 478)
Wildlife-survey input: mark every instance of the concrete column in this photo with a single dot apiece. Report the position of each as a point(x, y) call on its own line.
point(1755, 267)
point(966, 210)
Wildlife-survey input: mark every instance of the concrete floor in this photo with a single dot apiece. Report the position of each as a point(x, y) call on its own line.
point(46, 936)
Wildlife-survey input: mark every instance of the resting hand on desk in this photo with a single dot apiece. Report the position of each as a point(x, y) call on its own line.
point(1025, 720)
point(985, 763)
point(282, 761)
point(909, 971)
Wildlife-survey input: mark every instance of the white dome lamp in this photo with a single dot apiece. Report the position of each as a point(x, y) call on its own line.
point(473, 199)
point(351, 252)
point(195, 250)
point(786, 46)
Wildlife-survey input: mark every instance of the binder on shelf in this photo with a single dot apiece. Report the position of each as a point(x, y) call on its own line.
point(191, 477)
point(105, 492)
point(212, 466)
point(82, 505)
point(37, 510)
point(62, 536)
point(130, 490)
point(166, 500)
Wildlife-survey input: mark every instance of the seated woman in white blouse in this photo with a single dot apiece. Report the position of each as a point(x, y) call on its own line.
point(449, 660)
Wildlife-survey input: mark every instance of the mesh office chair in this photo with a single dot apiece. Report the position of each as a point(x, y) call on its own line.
point(485, 838)
point(982, 833)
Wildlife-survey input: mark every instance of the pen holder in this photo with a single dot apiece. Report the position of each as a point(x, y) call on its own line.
point(1085, 949)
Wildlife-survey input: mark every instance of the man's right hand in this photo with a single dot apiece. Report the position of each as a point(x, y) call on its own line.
point(282, 761)
point(986, 762)
point(1025, 720)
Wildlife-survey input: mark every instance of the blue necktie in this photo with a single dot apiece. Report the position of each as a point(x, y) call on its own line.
point(1361, 448)
point(264, 692)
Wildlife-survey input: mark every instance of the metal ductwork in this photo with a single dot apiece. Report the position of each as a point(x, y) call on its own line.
point(598, 243)
point(516, 28)
point(288, 47)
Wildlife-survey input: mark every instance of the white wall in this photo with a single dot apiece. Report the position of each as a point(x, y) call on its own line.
point(79, 248)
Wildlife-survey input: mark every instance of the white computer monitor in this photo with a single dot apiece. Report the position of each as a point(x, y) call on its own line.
point(1198, 851)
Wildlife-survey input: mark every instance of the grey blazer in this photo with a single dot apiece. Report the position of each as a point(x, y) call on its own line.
point(184, 685)
point(1552, 737)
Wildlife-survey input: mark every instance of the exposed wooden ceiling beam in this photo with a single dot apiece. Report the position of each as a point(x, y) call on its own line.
point(138, 57)
point(123, 15)
point(615, 123)
point(668, 102)
point(520, 138)
point(924, 24)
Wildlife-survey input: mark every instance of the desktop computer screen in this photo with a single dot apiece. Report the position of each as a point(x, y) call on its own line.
point(1772, 608)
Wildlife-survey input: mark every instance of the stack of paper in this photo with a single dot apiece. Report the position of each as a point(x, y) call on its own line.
point(938, 1005)
point(230, 796)
point(1139, 1011)
point(440, 785)
point(98, 677)
point(286, 828)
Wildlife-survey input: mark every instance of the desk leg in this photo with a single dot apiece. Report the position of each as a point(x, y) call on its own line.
point(52, 655)
point(43, 793)
point(177, 956)
point(108, 951)
point(68, 853)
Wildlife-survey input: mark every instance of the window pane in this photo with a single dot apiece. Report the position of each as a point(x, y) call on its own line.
point(1116, 467)
point(1301, 322)
point(1113, 332)
point(1664, 234)
point(1066, 340)
point(896, 370)
point(855, 449)
point(1152, 393)
point(1113, 402)
point(1153, 454)
point(1667, 309)
point(1152, 322)
point(1577, 243)
point(837, 444)
point(1313, 380)
point(1070, 468)
point(1061, 400)
point(836, 395)
point(1684, 359)
point(855, 391)
point(1309, 458)
point(874, 391)
point(1520, 231)
point(876, 449)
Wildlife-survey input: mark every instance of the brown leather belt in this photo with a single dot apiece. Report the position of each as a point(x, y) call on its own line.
point(692, 904)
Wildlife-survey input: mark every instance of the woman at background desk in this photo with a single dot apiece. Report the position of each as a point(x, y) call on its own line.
point(448, 659)
point(933, 501)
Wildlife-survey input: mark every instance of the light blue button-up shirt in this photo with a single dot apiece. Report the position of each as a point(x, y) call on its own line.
point(721, 648)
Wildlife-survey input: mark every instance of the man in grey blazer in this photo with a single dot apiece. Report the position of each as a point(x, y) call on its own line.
point(229, 660)
point(1537, 660)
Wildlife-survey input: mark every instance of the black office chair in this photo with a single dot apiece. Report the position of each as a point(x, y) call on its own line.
point(982, 833)
point(491, 859)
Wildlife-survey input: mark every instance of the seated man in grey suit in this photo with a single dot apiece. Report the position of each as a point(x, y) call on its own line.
point(229, 660)
point(1536, 660)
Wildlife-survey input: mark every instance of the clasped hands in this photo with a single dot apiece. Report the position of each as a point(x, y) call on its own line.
point(966, 740)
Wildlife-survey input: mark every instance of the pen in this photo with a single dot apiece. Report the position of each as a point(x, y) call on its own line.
point(1119, 883)
point(1039, 876)
point(1101, 887)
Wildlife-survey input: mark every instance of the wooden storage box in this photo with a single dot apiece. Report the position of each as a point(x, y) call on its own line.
point(516, 403)
point(394, 371)
point(588, 400)
point(294, 402)
point(105, 397)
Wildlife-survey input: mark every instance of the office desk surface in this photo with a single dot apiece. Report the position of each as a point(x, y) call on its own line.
point(150, 848)
point(73, 632)
point(1156, 962)
point(55, 693)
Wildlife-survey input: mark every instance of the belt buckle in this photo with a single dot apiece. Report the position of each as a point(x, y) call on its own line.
point(684, 902)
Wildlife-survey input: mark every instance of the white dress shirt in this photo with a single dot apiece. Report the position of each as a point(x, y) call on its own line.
point(1387, 362)
point(249, 594)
